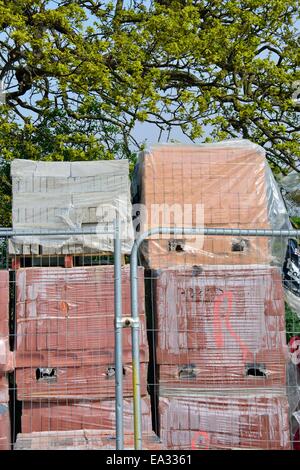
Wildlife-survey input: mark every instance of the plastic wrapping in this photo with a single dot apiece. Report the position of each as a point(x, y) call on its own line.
point(225, 185)
point(290, 186)
point(291, 274)
point(6, 357)
point(4, 427)
point(70, 195)
point(220, 326)
point(65, 317)
point(257, 420)
point(95, 382)
point(4, 414)
point(3, 389)
point(296, 430)
point(83, 440)
point(37, 417)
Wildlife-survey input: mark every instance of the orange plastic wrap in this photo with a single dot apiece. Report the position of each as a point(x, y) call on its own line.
point(92, 382)
point(37, 417)
point(6, 357)
point(233, 185)
point(232, 421)
point(81, 440)
point(65, 317)
point(220, 325)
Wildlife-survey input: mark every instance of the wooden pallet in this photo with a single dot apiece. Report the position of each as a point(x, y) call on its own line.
point(66, 261)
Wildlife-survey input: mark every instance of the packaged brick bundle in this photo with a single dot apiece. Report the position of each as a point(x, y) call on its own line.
point(220, 326)
point(81, 440)
point(224, 185)
point(6, 356)
point(3, 389)
point(5, 438)
point(216, 421)
point(93, 381)
point(65, 317)
point(60, 196)
point(84, 414)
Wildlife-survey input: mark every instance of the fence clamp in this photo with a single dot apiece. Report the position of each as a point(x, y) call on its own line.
point(127, 322)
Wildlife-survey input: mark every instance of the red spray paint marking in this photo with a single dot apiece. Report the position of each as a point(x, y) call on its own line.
point(218, 323)
point(201, 439)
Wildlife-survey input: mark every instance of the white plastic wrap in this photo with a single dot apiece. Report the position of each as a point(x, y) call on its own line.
point(223, 185)
point(70, 195)
point(290, 186)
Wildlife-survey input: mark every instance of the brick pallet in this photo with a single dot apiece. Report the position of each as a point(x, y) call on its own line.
point(220, 326)
point(6, 362)
point(231, 182)
point(65, 341)
point(221, 357)
point(65, 317)
point(257, 420)
point(219, 317)
point(60, 196)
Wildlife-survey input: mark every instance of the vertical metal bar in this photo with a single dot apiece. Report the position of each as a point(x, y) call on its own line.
point(135, 350)
point(118, 336)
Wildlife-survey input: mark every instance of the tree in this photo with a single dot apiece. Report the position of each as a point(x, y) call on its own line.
point(227, 65)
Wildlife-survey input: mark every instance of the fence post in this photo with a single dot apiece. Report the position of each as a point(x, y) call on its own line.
point(135, 348)
point(118, 336)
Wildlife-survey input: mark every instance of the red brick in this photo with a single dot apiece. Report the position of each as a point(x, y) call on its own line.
point(66, 316)
point(232, 421)
point(81, 440)
point(38, 417)
point(221, 319)
point(87, 382)
point(5, 438)
point(196, 173)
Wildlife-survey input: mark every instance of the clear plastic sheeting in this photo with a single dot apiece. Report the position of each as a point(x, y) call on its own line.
point(61, 196)
point(251, 420)
point(220, 326)
point(4, 415)
point(65, 376)
point(6, 357)
point(62, 383)
point(65, 317)
point(296, 430)
point(6, 361)
point(228, 185)
point(290, 186)
point(80, 440)
point(291, 273)
point(85, 414)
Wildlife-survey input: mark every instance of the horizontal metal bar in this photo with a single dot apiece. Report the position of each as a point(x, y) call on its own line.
point(216, 231)
point(31, 233)
point(9, 232)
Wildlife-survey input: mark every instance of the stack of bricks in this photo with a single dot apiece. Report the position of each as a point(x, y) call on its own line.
point(65, 365)
point(62, 196)
point(81, 440)
point(219, 319)
point(64, 318)
point(221, 357)
point(229, 183)
point(5, 361)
